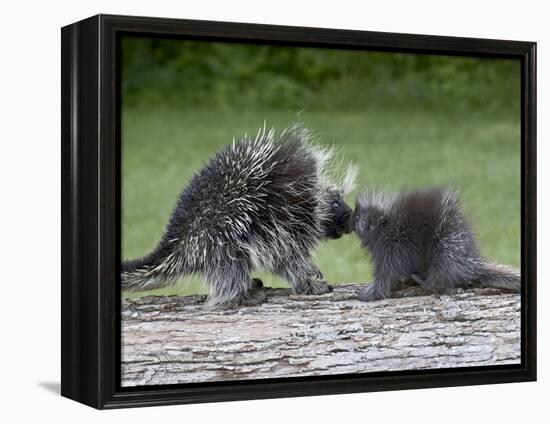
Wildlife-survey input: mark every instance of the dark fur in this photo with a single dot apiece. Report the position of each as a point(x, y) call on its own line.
point(423, 236)
point(258, 203)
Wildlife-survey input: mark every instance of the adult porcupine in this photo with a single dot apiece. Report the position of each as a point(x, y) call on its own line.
point(423, 236)
point(259, 203)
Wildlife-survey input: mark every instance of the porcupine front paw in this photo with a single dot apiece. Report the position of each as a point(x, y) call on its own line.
point(369, 294)
point(314, 287)
point(254, 297)
point(257, 283)
point(316, 273)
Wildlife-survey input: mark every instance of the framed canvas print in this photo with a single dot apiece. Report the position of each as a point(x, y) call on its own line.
point(254, 211)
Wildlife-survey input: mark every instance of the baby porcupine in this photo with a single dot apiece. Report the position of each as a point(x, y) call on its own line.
point(259, 203)
point(423, 236)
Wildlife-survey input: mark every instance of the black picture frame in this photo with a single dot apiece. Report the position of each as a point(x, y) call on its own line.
point(90, 180)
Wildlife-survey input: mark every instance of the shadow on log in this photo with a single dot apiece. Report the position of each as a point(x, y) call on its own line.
point(171, 340)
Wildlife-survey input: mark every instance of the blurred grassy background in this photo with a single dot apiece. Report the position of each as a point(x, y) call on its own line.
point(406, 121)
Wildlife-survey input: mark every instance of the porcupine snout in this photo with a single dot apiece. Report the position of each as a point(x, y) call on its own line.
point(348, 229)
point(346, 219)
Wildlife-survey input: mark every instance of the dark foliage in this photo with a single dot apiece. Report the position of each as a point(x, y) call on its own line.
point(194, 73)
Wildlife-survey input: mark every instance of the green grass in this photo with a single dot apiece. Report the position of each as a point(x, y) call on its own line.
point(394, 149)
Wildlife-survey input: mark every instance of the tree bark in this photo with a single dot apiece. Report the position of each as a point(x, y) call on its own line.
point(170, 340)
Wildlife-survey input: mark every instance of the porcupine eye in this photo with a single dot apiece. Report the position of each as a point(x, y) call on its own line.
point(335, 205)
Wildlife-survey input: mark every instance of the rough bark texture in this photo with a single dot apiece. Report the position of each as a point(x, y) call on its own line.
point(168, 340)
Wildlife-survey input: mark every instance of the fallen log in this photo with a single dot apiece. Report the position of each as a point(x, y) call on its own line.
point(171, 340)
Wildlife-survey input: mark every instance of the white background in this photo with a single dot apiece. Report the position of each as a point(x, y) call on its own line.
point(30, 198)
